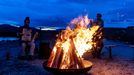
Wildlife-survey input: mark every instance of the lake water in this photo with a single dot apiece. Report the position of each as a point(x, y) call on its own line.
point(8, 38)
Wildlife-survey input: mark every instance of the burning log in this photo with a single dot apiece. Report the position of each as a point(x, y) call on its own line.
point(55, 58)
point(58, 58)
point(76, 58)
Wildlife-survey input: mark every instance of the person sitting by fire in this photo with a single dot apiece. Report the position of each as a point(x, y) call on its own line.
point(99, 36)
point(27, 39)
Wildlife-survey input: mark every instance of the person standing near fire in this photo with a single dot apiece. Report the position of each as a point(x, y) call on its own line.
point(99, 36)
point(27, 38)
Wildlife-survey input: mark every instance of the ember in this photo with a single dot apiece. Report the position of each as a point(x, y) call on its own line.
point(72, 43)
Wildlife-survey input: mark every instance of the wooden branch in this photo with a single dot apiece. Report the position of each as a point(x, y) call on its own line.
point(77, 59)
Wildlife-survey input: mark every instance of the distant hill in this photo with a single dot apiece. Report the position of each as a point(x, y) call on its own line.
point(8, 28)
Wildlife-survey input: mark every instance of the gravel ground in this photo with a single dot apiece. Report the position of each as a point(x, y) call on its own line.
point(104, 66)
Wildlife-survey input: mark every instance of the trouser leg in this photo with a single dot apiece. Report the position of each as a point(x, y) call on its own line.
point(32, 47)
point(23, 49)
point(100, 49)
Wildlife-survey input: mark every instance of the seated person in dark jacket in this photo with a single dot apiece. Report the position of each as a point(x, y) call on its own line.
point(27, 38)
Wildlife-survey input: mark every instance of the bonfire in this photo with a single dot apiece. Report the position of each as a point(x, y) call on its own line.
point(72, 43)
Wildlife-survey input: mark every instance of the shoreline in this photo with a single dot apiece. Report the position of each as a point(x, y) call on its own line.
point(121, 34)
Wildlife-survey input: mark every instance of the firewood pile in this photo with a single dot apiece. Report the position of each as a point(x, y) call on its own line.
point(71, 44)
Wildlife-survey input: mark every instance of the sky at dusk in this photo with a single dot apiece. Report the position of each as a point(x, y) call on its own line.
point(58, 13)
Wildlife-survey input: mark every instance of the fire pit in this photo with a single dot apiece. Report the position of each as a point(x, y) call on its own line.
point(88, 66)
point(67, 53)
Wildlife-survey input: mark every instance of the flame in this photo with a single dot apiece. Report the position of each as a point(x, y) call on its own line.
point(83, 40)
point(71, 43)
